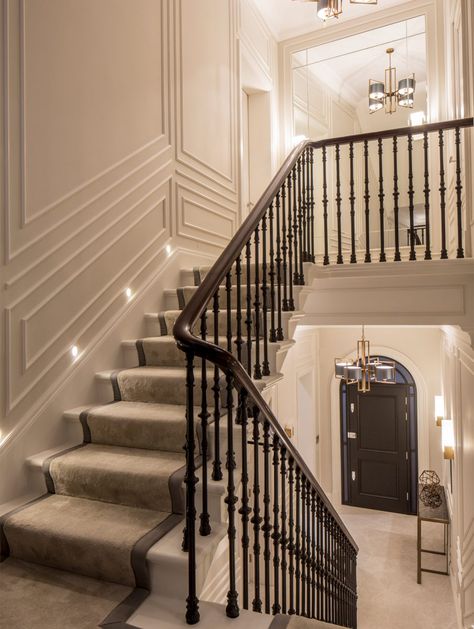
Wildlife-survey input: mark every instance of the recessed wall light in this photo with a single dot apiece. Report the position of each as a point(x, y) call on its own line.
point(128, 293)
point(74, 351)
point(168, 249)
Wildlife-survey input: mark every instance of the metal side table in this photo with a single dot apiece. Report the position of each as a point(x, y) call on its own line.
point(438, 515)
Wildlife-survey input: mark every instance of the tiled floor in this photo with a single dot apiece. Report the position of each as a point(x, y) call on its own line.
point(389, 596)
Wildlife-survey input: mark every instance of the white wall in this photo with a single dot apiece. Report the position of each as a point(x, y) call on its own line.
point(458, 389)
point(121, 135)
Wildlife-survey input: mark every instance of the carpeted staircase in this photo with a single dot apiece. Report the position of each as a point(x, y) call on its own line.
point(112, 497)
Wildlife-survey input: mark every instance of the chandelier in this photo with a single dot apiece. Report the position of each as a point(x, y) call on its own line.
point(389, 93)
point(365, 369)
point(328, 9)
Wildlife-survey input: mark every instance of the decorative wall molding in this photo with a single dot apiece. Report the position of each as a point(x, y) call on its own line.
point(225, 176)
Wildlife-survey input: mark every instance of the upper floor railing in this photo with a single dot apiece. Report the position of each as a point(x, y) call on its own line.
point(289, 551)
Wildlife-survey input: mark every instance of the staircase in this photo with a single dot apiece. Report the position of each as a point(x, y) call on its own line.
point(111, 498)
point(116, 504)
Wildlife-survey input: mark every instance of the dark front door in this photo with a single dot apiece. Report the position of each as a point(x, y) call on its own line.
point(377, 448)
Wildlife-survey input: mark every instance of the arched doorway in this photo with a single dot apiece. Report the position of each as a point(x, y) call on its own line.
point(379, 445)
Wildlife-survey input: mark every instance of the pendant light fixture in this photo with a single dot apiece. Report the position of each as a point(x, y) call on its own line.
point(389, 94)
point(365, 369)
point(329, 9)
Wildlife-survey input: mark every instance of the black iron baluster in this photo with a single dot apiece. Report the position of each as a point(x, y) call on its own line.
point(279, 329)
point(460, 250)
point(228, 292)
point(276, 607)
point(340, 259)
point(427, 198)
point(303, 208)
point(271, 218)
point(312, 235)
point(239, 340)
point(368, 257)
point(300, 220)
point(205, 526)
point(256, 519)
point(313, 554)
point(383, 257)
point(291, 539)
point(291, 301)
point(298, 541)
point(325, 207)
point(266, 528)
point(396, 197)
point(265, 364)
point(411, 197)
point(216, 389)
point(320, 564)
point(442, 191)
point(303, 546)
point(257, 371)
point(352, 199)
point(284, 539)
point(308, 549)
point(296, 206)
point(284, 249)
point(249, 316)
point(244, 510)
point(190, 480)
point(327, 596)
point(232, 608)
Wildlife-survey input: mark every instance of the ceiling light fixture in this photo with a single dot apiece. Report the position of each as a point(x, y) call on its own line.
point(365, 369)
point(329, 9)
point(389, 93)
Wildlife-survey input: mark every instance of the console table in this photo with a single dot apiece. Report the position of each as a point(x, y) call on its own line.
point(439, 515)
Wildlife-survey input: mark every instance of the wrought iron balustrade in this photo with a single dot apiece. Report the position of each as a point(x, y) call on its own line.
point(294, 552)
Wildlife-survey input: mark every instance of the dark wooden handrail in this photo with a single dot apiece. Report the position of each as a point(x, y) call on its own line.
point(391, 133)
point(281, 229)
point(189, 317)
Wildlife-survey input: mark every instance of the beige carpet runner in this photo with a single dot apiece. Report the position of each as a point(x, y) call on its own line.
point(110, 498)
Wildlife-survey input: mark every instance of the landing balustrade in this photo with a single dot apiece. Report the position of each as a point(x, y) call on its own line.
point(330, 202)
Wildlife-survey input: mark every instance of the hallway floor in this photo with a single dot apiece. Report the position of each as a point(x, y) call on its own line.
point(389, 596)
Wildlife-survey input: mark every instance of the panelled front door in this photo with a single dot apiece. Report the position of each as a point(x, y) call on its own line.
point(377, 448)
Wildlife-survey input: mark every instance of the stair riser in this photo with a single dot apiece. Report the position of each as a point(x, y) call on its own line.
point(176, 299)
point(118, 488)
point(177, 358)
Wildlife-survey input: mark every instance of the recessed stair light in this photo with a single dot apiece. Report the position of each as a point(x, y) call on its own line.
point(128, 293)
point(74, 351)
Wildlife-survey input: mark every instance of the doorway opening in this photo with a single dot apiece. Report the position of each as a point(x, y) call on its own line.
point(379, 445)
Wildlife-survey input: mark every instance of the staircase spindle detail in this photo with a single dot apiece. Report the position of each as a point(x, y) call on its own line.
point(294, 553)
point(383, 257)
point(340, 259)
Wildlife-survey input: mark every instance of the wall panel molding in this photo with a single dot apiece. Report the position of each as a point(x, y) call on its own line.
point(225, 176)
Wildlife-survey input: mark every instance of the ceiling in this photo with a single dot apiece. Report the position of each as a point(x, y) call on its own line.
point(346, 65)
point(290, 18)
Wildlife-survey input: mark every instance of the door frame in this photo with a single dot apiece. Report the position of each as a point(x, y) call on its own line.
point(404, 378)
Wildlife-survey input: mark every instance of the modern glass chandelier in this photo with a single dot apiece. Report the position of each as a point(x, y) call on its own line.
point(329, 9)
point(365, 369)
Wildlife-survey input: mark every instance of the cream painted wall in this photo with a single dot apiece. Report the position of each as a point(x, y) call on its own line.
point(121, 136)
point(458, 390)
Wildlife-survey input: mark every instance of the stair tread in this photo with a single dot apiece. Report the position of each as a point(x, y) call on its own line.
point(116, 474)
point(85, 536)
point(59, 515)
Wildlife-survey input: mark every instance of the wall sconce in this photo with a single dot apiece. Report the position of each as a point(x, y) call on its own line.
point(439, 409)
point(448, 439)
